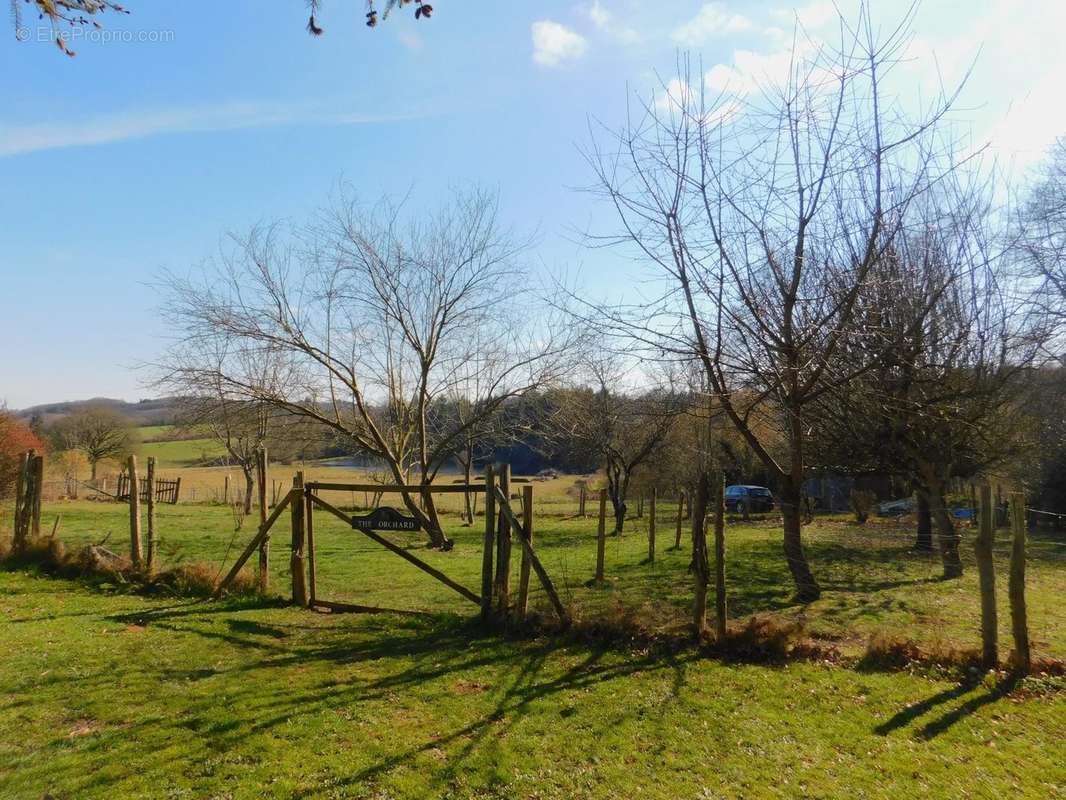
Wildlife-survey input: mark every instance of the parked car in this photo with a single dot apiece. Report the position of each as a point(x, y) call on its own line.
point(896, 508)
point(748, 499)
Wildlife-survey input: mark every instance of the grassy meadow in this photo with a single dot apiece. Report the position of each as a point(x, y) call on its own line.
point(107, 693)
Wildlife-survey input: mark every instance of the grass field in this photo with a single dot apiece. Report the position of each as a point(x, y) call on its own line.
point(114, 695)
point(108, 694)
point(873, 583)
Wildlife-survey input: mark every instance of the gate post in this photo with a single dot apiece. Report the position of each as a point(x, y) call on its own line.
point(503, 549)
point(264, 548)
point(527, 534)
point(296, 561)
point(490, 535)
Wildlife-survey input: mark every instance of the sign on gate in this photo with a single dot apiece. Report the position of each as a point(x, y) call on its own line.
point(385, 519)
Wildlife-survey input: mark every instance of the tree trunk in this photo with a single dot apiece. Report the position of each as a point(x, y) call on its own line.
point(1016, 586)
point(719, 557)
point(923, 542)
point(468, 496)
point(248, 468)
point(986, 573)
point(92, 470)
point(701, 570)
point(807, 588)
point(946, 533)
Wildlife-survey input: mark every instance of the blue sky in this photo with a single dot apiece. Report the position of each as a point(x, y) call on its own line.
point(140, 155)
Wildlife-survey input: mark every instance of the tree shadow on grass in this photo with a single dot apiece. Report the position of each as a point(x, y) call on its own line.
point(942, 723)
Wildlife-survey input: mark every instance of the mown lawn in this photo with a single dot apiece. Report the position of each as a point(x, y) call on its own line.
point(115, 695)
point(873, 584)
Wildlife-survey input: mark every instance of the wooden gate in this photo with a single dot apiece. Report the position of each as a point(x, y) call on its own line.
point(500, 521)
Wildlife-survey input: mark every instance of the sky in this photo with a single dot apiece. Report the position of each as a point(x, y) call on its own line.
point(182, 122)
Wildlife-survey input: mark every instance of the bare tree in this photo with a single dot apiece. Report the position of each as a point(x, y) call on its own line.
point(368, 320)
point(944, 403)
point(98, 432)
point(1041, 238)
point(625, 426)
point(763, 219)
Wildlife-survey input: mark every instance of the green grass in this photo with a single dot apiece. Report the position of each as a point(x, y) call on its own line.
point(182, 452)
point(873, 584)
point(115, 695)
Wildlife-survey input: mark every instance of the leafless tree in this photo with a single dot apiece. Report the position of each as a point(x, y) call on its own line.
point(622, 418)
point(98, 432)
point(1041, 239)
point(368, 319)
point(763, 218)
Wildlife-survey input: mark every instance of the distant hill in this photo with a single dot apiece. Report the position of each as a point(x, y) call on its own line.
point(159, 411)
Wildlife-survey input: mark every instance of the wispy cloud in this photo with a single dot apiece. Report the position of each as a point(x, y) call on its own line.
point(21, 139)
point(606, 22)
point(555, 44)
point(713, 19)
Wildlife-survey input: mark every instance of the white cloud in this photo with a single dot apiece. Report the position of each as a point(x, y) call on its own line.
point(714, 19)
point(810, 17)
point(108, 128)
point(750, 71)
point(554, 45)
point(606, 22)
point(675, 96)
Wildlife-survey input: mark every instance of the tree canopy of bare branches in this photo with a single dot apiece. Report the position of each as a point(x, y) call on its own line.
point(762, 218)
point(370, 321)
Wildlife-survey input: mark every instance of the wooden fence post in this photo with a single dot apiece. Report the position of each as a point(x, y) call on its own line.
point(310, 524)
point(527, 525)
point(581, 501)
point(296, 560)
point(601, 537)
point(38, 487)
point(1016, 588)
point(640, 506)
point(719, 558)
point(19, 538)
point(136, 555)
point(264, 547)
point(489, 540)
point(151, 514)
point(700, 566)
point(177, 490)
point(225, 490)
point(680, 516)
point(651, 525)
point(986, 573)
point(503, 549)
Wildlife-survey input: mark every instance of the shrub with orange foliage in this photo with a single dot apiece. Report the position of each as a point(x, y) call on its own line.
point(15, 439)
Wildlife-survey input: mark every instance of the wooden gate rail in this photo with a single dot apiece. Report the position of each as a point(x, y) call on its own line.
point(394, 488)
point(422, 565)
point(253, 545)
point(527, 546)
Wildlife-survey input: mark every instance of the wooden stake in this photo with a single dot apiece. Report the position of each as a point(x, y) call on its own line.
point(38, 487)
point(310, 546)
point(527, 546)
point(680, 517)
point(601, 537)
point(719, 558)
point(19, 538)
point(487, 544)
point(136, 554)
point(1016, 588)
point(527, 530)
point(253, 545)
point(151, 514)
point(986, 573)
point(581, 501)
point(296, 560)
point(225, 490)
point(651, 525)
point(503, 549)
point(264, 547)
